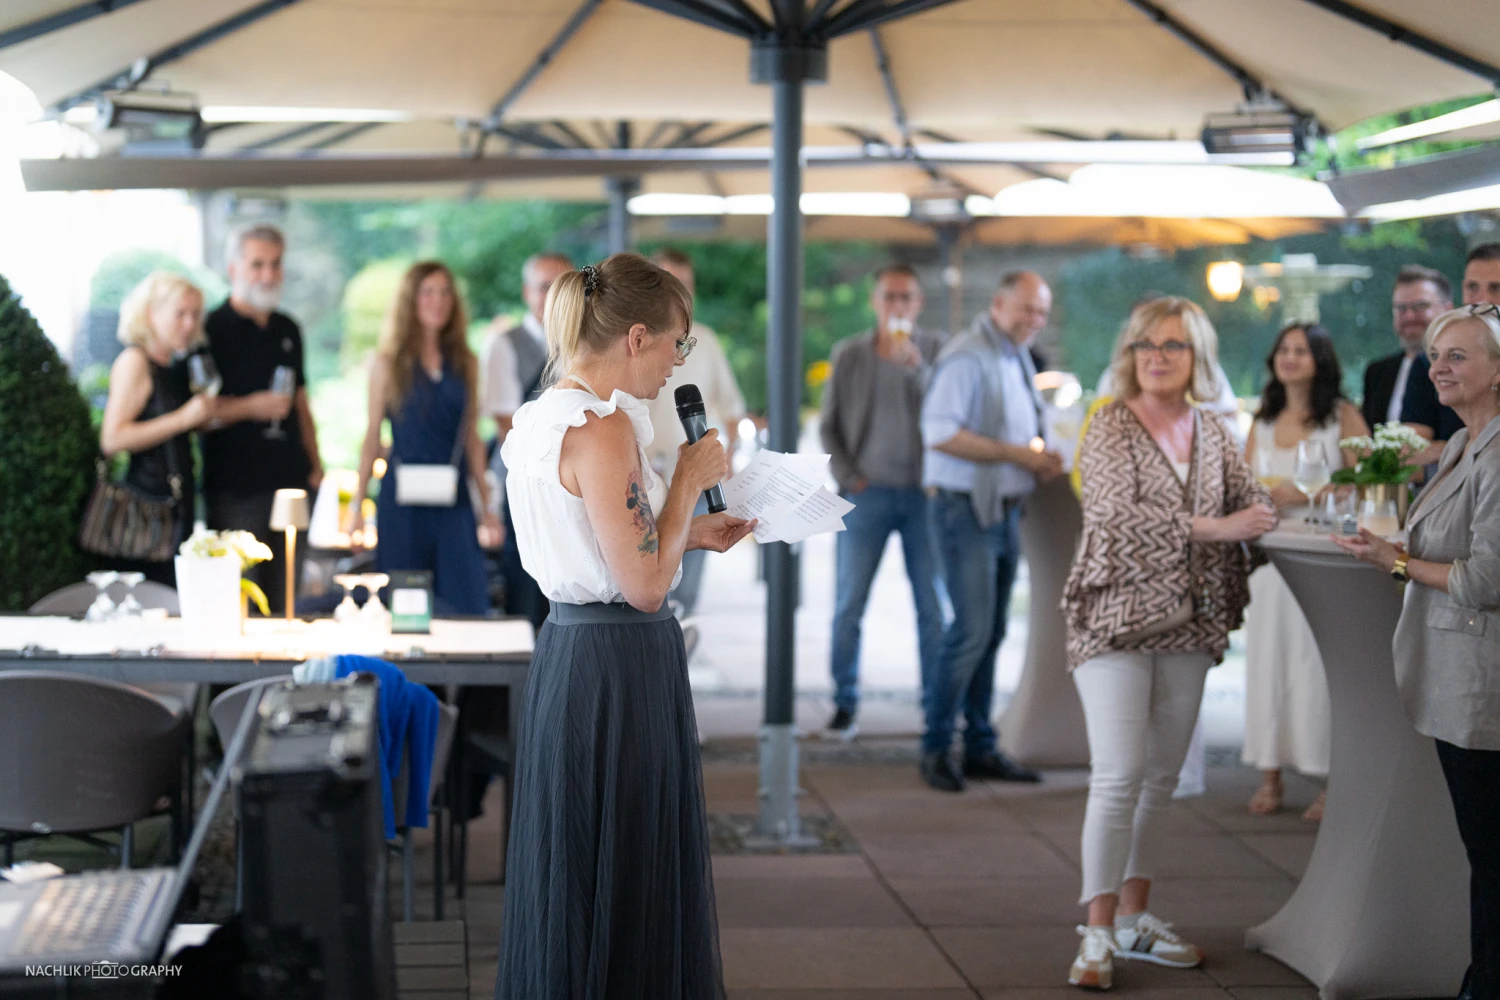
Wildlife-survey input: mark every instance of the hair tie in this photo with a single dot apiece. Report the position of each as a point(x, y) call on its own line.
point(590, 279)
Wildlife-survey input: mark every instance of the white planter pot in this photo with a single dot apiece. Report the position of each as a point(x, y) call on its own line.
point(208, 590)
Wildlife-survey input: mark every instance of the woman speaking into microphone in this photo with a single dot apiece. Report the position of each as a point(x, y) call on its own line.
point(609, 892)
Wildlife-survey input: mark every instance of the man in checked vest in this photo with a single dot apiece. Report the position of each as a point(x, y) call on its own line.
point(512, 370)
point(981, 427)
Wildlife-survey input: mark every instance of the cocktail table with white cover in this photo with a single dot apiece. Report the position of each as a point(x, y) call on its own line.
point(1043, 726)
point(1382, 910)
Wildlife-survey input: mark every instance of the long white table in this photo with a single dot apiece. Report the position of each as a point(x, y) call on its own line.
point(1382, 910)
point(463, 652)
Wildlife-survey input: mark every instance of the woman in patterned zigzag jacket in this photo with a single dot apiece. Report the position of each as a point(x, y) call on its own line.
point(1159, 581)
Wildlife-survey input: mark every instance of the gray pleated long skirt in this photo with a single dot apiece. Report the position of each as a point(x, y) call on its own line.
point(609, 890)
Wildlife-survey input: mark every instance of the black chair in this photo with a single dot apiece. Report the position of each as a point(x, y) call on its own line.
point(486, 746)
point(97, 756)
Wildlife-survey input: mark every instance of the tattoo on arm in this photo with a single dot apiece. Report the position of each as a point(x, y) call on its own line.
point(639, 505)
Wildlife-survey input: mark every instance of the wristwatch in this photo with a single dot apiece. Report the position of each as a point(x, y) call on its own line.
point(1398, 570)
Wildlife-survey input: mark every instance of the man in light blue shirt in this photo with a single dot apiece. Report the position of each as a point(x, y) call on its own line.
point(981, 427)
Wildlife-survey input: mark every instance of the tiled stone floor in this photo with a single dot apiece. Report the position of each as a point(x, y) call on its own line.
point(954, 897)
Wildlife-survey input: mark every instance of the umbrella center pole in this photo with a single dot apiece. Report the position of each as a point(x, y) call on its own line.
point(786, 64)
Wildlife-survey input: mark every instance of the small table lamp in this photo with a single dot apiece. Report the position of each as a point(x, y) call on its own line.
point(288, 513)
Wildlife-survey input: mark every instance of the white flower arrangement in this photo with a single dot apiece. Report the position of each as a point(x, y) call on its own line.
point(217, 544)
point(241, 544)
point(1392, 435)
point(1383, 455)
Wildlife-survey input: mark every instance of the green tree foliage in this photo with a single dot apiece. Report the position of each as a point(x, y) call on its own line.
point(367, 300)
point(47, 448)
point(120, 272)
point(485, 243)
point(1342, 151)
point(1096, 291)
point(731, 298)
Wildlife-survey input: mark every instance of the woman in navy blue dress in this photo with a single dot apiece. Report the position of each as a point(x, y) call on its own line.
point(423, 381)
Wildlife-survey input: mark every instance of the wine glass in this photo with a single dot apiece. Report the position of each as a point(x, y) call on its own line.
point(203, 375)
point(374, 611)
point(1312, 472)
point(1265, 466)
point(103, 608)
point(347, 609)
point(129, 607)
point(283, 383)
point(1379, 517)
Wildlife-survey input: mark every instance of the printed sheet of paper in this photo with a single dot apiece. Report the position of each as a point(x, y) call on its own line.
point(787, 496)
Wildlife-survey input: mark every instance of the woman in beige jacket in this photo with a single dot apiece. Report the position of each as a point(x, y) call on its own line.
point(1167, 502)
point(1447, 646)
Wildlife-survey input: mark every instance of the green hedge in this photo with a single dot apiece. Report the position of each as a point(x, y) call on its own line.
point(47, 447)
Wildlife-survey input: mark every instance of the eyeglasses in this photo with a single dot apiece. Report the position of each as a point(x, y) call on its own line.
point(1167, 348)
point(1412, 307)
point(1485, 309)
point(685, 347)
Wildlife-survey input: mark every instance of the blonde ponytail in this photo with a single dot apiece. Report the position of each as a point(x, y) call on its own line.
point(587, 310)
point(563, 317)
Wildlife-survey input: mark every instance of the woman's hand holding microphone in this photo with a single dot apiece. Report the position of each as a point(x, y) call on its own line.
point(700, 466)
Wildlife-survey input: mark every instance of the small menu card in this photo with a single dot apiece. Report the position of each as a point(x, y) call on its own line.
point(411, 601)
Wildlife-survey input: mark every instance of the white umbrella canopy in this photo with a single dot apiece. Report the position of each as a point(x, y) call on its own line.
point(1085, 65)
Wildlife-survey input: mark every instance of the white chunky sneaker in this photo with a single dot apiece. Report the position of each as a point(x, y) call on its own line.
point(1094, 968)
point(1152, 940)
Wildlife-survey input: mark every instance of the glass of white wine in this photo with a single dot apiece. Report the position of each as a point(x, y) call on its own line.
point(283, 383)
point(203, 374)
point(1265, 468)
point(1311, 472)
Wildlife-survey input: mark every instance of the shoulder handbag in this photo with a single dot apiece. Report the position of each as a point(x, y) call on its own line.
point(430, 485)
point(123, 522)
point(1186, 609)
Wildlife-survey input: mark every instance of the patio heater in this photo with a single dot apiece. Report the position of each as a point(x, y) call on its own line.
point(786, 53)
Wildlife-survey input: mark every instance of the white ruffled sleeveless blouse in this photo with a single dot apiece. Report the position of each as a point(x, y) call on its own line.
point(557, 543)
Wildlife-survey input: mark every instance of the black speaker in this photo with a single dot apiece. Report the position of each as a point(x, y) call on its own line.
point(314, 858)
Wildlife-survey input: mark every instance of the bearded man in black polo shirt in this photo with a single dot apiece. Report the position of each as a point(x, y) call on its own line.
point(265, 440)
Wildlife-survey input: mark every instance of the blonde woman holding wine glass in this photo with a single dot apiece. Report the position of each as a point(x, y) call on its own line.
point(1294, 448)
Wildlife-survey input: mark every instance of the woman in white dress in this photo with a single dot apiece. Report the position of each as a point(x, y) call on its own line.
point(610, 893)
point(1286, 694)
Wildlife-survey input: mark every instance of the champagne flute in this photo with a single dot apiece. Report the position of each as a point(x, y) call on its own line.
point(283, 383)
point(1312, 472)
point(203, 375)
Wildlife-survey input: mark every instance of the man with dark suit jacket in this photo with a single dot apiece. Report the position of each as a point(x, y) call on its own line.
point(1421, 293)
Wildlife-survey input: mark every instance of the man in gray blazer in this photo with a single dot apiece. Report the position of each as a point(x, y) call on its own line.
point(871, 426)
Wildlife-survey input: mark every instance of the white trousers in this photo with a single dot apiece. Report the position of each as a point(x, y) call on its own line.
point(1140, 710)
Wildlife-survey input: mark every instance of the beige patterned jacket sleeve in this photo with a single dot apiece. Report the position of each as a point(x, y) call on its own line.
point(1132, 566)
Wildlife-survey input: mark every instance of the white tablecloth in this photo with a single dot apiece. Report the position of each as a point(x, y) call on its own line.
point(262, 639)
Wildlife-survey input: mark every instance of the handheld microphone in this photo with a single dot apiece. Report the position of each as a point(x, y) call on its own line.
point(695, 424)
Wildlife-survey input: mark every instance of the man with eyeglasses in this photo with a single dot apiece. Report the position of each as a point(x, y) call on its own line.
point(982, 426)
point(871, 427)
point(707, 367)
point(1421, 293)
point(1420, 408)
